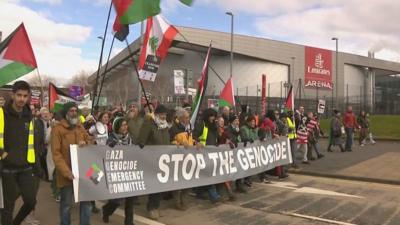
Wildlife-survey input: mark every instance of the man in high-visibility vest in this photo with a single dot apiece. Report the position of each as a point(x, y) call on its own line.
point(292, 136)
point(18, 156)
point(205, 133)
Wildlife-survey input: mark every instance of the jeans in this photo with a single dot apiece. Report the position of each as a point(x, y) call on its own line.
point(15, 183)
point(293, 150)
point(212, 193)
point(113, 204)
point(304, 149)
point(54, 189)
point(85, 208)
point(349, 138)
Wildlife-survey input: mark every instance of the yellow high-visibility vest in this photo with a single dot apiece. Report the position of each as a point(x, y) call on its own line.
point(292, 126)
point(31, 158)
point(203, 137)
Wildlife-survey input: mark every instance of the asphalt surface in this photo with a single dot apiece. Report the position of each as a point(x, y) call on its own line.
point(296, 200)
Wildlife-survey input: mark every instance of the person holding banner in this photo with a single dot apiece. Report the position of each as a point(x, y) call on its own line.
point(206, 133)
point(119, 136)
point(181, 135)
point(68, 132)
point(292, 136)
point(155, 132)
point(249, 134)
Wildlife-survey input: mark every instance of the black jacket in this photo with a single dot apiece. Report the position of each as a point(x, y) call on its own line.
point(16, 132)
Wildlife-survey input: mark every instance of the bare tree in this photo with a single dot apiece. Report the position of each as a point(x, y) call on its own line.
point(44, 80)
point(81, 79)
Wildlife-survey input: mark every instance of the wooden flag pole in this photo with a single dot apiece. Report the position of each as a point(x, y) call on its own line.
point(41, 86)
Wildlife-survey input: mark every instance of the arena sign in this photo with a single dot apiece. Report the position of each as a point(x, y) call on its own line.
point(318, 68)
point(103, 173)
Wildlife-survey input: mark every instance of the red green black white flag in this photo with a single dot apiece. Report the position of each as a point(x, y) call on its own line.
point(57, 98)
point(227, 97)
point(201, 90)
point(134, 11)
point(16, 56)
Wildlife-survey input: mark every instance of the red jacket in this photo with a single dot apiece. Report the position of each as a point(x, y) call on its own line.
point(350, 120)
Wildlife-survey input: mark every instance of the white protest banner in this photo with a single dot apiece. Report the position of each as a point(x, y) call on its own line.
point(103, 173)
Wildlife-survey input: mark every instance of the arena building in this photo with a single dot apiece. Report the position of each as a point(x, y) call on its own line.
point(311, 70)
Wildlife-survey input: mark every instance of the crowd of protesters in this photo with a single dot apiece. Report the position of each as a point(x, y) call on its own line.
point(154, 124)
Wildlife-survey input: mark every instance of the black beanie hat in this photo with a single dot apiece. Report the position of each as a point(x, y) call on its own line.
point(117, 124)
point(67, 106)
point(161, 109)
point(232, 117)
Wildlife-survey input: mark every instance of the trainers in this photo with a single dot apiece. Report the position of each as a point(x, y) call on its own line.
point(31, 220)
point(241, 189)
point(312, 158)
point(283, 176)
point(266, 181)
point(306, 162)
point(153, 214)
point(106, 219)
point(58, 199)
point(362, 145)
point(320, 156)
point(95, 210)
point(248, 183)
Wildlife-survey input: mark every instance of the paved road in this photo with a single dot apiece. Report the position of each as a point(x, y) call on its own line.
point(321, 200)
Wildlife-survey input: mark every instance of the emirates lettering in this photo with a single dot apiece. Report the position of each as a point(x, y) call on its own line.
point(318, 71)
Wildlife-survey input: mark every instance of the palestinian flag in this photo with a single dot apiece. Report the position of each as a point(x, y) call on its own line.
point(227, 97)
point(201, 89)
point(120, 31)
point(187, 2)
point(157, 40)
point(289, 103)
point(57, 98)
point(134, 11)
point(16, 56)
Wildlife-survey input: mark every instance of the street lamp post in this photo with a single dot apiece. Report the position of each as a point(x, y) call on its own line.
point(231, 68)
point(336, 71)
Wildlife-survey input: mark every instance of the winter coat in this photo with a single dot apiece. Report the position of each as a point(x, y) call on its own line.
point(233, 135)
point(16, 131)
point(363, 121)
point(180, 135)
point(62, 136)
point(212, 135)
point(118, 139)
point(336, 131)
point(248, 134)
point(349, 120)
point(150, 134)
point(134, 125)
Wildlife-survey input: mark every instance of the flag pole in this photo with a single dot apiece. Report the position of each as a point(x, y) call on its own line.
point(41, 85)
point(202, 57)
point(104, 73)
point(137, 74)
point(101, 57)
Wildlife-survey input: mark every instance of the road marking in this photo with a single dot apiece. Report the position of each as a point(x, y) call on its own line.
point(317, 218)
point(136, 217)
point(309, 190)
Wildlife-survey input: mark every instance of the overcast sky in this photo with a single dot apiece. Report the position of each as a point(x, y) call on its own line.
point(64, 32)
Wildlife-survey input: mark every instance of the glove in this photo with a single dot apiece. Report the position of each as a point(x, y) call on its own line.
point(251, 141)
point(112, 144)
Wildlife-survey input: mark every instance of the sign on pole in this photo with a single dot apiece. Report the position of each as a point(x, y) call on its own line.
point(179, 82)
point(321, 106)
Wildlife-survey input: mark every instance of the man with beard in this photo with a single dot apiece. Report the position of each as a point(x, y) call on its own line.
point(155, 132)
point(68, 132)
point(18, 158)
